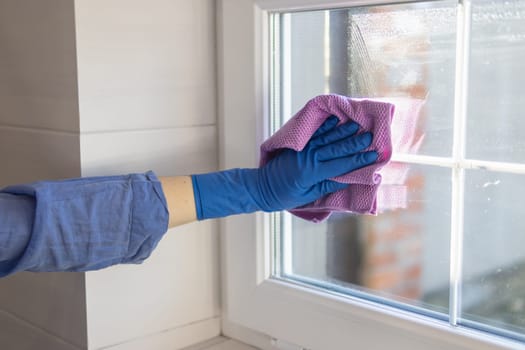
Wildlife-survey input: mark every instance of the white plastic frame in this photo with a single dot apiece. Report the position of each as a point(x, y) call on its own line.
point(309, 317)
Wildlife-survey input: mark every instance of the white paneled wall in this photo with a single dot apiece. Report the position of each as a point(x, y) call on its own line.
point(39, 140)
point(38, 85)
point(171, 298)
point(145, 64)
point(147, 101)
point(43, 308)
point(168, 151)
point(30, 154)
point(99, 87)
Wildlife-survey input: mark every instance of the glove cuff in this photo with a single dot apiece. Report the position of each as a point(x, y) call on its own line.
point(224, 193)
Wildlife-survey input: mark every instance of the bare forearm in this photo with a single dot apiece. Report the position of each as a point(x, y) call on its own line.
point(178, 191)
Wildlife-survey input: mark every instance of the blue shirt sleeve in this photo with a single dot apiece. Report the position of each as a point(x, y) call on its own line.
point(81, 224)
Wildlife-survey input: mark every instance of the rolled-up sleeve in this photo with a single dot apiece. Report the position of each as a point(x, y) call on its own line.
point(81, 224)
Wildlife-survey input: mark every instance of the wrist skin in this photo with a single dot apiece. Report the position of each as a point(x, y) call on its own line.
point(178, 191)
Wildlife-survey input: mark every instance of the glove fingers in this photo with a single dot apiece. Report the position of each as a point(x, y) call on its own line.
point(329, 124)
point(341, 132)
point(344, 147)
point(329, 186)
point(341, 166)
point(325, 187)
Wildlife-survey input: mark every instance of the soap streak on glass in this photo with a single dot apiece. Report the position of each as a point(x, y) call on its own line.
point(402, 257)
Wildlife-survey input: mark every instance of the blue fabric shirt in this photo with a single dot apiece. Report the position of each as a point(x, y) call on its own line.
point(81, 224)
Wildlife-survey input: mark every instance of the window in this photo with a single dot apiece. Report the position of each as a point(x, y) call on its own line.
point(402, 257)
point(407, 53)
point(447, 266)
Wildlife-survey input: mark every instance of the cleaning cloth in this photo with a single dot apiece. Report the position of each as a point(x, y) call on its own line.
point(373, 116)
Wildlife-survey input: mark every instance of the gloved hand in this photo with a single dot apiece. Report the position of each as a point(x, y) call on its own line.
point(289, 180)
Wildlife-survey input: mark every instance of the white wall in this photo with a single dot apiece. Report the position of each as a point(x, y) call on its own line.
point(146, 73)
point(143, 98)
point(39, 140)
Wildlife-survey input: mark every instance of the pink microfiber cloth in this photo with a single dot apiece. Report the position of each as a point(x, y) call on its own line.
point(373, 116)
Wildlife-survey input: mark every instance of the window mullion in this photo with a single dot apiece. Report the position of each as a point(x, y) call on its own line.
point(286, 67)
point(459, 147)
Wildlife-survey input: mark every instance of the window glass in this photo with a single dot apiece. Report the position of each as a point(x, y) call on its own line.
point(493, 290)
point(383, 51)
point(497, 74)
point(402, 257)
point(405, 52)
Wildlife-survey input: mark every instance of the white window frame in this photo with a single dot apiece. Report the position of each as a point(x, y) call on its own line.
point(310, 317)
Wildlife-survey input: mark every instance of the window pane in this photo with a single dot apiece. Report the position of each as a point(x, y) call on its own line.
point(497, 74)
point(493, 292)
point(391, 51)
point(401, 255)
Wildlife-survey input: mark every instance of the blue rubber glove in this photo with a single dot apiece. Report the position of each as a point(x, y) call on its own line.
point(289, 180)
